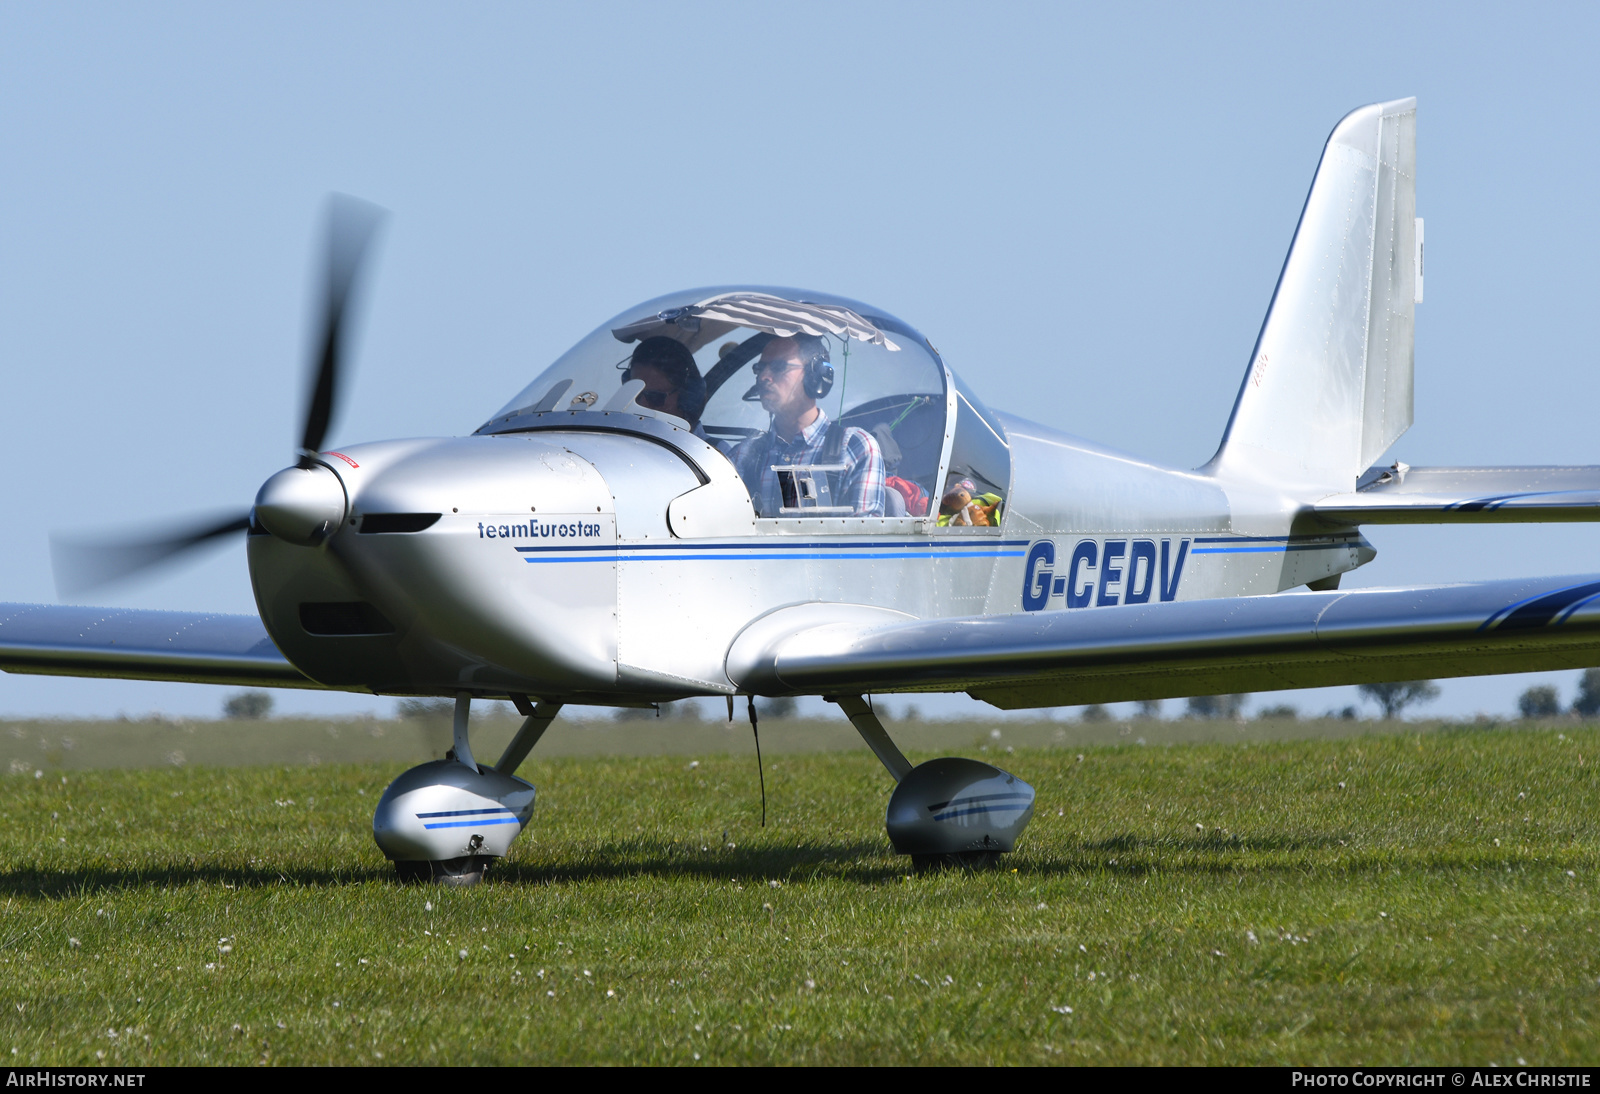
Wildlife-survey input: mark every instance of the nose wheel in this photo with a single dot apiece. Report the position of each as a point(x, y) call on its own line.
point(970, 861)
point(448, 821)
point(457, 872)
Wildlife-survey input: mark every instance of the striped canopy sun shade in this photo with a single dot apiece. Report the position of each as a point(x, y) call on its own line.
point(715, 316)
point(786, 318)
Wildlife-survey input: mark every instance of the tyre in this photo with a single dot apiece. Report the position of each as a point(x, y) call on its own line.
point(970, 861)
point(458, 872)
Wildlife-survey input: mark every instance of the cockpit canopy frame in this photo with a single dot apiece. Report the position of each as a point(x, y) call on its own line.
point(932, 432)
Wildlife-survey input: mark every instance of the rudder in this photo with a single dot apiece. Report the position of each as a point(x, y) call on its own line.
point(1329, 385)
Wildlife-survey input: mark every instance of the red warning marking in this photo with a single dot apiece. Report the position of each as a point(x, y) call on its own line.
point(345, 458)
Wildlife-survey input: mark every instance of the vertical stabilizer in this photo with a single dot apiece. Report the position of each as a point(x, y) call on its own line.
point(1328, 388)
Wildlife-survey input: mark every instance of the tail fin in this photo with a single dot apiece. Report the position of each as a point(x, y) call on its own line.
point(1328, 388)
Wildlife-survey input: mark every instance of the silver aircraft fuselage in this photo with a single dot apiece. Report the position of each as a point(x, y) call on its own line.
point(614, 557)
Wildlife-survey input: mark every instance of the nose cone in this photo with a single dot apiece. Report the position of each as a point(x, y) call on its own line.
point(302, 505)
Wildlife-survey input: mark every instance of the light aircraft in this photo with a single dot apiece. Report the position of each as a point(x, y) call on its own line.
point(594, 542)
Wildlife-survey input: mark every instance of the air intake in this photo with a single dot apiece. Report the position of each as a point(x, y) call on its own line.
point(388, 523)
point(343, 619)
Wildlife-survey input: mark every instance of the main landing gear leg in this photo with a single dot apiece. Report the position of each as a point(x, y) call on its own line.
point(538, 720)
point(446, 821)
point(461, 747)
point(872, 731)
point(948, 811)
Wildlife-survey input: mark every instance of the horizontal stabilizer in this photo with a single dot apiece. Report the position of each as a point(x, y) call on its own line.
point(125, 644)
point(1208, 647)
point(1467, 495)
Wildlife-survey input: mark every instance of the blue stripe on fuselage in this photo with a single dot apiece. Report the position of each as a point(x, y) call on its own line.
point(1269, 544)
point(1272, 550)
point(769, 551)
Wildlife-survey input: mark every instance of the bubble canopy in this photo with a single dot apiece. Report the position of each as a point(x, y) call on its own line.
point(886, 378)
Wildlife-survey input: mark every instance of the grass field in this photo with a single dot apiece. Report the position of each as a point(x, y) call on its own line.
point(56, 745)
point(1404, 897)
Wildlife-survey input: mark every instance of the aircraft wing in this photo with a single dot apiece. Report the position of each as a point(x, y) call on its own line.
point(1206, 647)
point(193, 647)
point(1467, 495)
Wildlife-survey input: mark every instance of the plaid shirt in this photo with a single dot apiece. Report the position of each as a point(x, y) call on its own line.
point(859, 486)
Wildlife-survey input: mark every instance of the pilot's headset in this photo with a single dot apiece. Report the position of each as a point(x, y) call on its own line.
point(818, 379)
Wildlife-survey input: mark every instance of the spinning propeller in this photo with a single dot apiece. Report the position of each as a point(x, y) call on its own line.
point(80, 565)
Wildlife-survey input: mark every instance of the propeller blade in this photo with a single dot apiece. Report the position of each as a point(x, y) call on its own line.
point(81, 565)
point(352, 223)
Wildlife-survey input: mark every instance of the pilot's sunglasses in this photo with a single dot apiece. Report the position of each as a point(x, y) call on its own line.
point(779, 367)
point(654, 399)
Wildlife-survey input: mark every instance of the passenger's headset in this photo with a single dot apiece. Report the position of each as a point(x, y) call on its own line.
point(691, 385)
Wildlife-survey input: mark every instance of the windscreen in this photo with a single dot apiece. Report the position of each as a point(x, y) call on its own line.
point(699, 358)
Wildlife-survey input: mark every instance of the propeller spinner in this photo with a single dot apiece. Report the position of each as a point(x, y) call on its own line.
point(301, 504)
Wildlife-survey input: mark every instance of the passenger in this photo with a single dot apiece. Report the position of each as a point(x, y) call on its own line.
point(672, 382)
point(791, 375)
point(963, 505)
point(902, 497)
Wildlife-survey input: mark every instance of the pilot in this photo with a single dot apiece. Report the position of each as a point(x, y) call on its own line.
point(672, 382)
point(791, 375)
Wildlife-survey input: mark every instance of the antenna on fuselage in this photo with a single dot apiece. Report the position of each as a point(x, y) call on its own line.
point(756, 733)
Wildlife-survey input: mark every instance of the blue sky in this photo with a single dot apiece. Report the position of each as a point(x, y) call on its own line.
point(1084, 207)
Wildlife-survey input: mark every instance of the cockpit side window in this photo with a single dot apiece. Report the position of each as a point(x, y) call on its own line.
point(980, 466)
point(823, 412)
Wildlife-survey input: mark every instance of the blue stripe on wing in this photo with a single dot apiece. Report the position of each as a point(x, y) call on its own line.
point(1537, 611)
